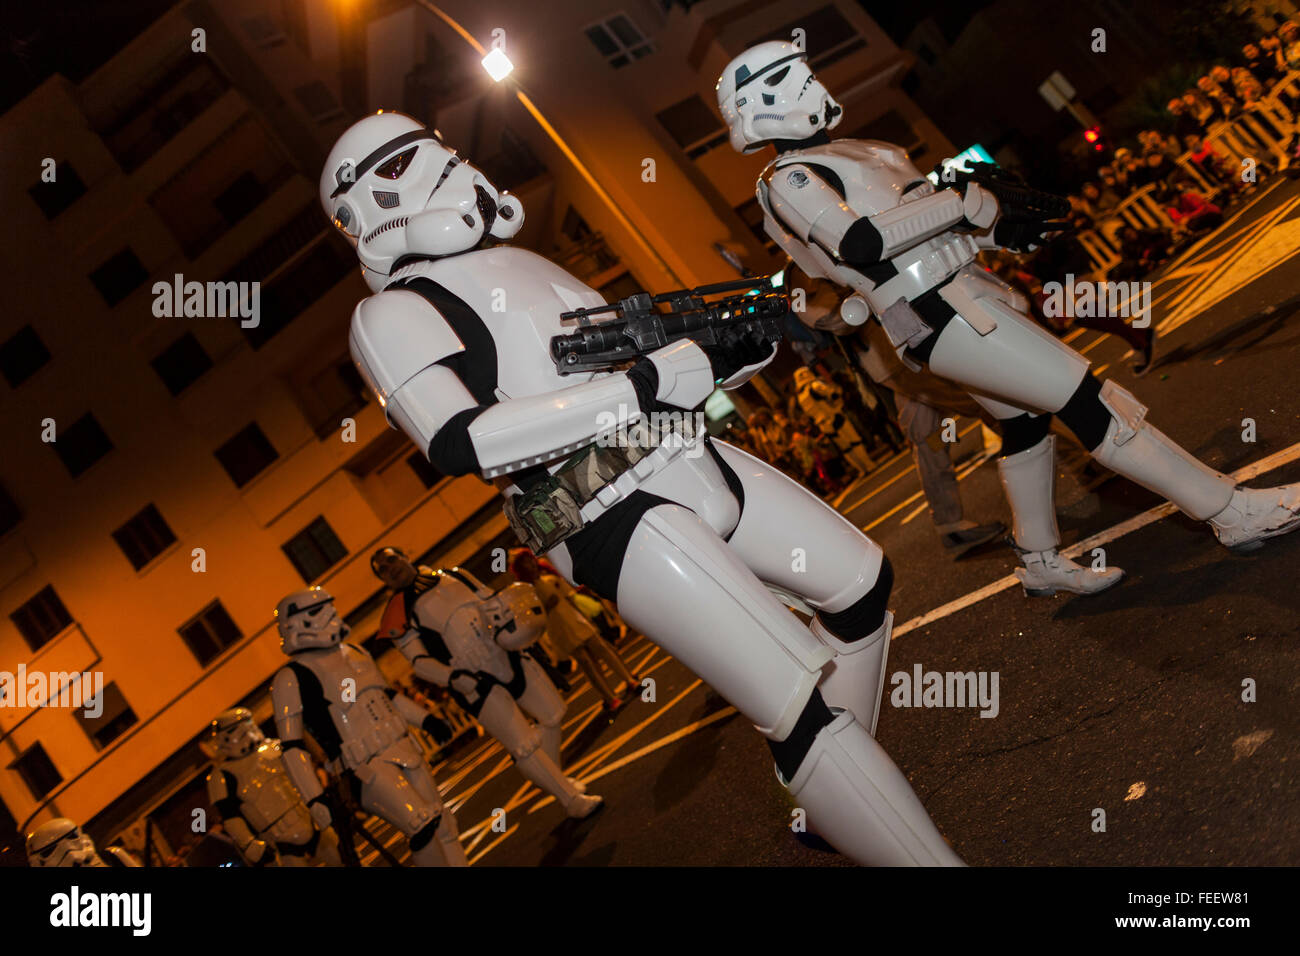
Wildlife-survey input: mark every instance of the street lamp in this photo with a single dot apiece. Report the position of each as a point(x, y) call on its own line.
point(497, 64)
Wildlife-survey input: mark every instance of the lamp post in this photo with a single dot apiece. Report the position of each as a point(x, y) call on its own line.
point(498, 66)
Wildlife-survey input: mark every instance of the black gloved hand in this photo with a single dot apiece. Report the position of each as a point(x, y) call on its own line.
point(645, 379)
point(485, 684)
point(729, 359)
point(1023, 236)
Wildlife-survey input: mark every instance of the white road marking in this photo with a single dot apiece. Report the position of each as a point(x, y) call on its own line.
point(1276, 460)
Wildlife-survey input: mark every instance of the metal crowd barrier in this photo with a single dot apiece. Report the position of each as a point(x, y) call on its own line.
point(1262, 130)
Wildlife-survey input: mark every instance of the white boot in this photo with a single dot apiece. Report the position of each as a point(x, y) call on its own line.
point(552, 740)
point(541, 770)
point(448, 837)
point(861, 802)
point(1029, 482)
point(1046, 572)
point(1255, 514)
point(1242, 518)
point(855, 677)
point(445, 848)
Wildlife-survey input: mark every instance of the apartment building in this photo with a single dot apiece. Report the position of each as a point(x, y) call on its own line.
point(166, 478)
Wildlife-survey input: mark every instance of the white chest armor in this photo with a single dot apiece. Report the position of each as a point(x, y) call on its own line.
point(519, 296)
point(264, 790)
point(357, 699)
point(453, 610)
point(874, 176)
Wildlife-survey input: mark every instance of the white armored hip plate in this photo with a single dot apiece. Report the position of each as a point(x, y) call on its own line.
point(519, 295)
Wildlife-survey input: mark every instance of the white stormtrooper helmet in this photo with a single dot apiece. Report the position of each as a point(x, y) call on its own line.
point(308, 619)
point(769, 93)
point(515, 616)
point(395, 190)
point(61, 843)
point(236, 733)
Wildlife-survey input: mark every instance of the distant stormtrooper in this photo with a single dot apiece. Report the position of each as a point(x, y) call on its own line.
point(857, 212)
point(458, 634)
point(456, 347)
point(60, 842)
point(336, 692)
point(263, 812)
point(824, 404)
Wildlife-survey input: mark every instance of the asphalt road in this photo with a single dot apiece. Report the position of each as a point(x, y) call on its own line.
point(1129, 702)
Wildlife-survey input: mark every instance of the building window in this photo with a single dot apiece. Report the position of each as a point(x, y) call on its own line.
point(119, 276)
point(144, 537)
point(181, 363)
point(167, 102)
point(54, 197)
point(246, 455)
point(694, 126)
point(830, 37)
point(37, 771)
point(317, 100)
point(240, 198)
point(263, 31)
point(22, 356)
point(112, 722)
point(41, 619)
point(423, 468)
point(618, 40)
point(10, 513)
point(209, 633)
point(333, 394)
point(314, 550)
point(313, 274)
point(81, 444)
point(278, 248)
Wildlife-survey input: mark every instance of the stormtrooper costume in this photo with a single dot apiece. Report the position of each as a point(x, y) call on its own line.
point(824, 404)
point(458, 634)
point(262, 810)
point(857, 212)
point(455, 344)
point(336, 692)
point(60, 842)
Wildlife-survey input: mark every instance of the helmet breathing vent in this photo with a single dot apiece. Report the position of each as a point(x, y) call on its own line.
point(384, 227)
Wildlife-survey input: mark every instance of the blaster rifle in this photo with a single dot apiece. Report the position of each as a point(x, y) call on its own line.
point(1017, 201)
point(645, 322)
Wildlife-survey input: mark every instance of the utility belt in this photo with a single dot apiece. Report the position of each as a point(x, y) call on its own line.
point(550, 510)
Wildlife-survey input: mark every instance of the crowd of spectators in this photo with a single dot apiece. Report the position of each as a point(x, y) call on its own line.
point(1194, 205)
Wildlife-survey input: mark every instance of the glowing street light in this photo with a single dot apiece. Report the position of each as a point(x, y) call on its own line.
point(497, 64)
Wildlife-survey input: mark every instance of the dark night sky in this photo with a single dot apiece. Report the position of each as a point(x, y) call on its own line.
point(72, 37)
